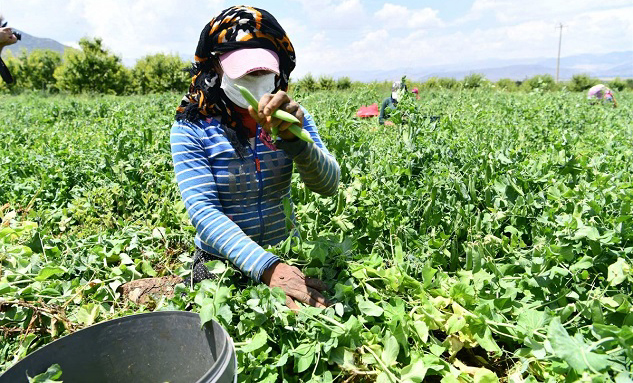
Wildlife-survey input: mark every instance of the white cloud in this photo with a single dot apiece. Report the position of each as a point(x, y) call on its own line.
point(145, 26)
point(130, 29)
point(587, 32)
point(336, 35)
point(334, 14)
point(398, 16)
point(507, 11)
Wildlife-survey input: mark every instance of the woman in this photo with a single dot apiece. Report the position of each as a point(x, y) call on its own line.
point(599, 93)
point(232, 176)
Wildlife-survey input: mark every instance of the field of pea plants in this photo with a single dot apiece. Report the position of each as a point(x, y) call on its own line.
point(492, 244)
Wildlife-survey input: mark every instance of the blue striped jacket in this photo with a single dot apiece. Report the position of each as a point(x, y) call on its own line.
point(236, 205)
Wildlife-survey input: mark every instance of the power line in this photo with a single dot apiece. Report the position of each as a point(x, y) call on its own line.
point(560, 39)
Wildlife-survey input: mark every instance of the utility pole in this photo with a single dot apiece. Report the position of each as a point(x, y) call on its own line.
point(560, 39)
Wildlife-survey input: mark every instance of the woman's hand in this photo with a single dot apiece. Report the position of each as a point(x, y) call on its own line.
point(296, 285)
point(271, 102)
point(389, 123)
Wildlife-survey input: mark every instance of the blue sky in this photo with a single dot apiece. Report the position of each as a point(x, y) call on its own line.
point(335, 35)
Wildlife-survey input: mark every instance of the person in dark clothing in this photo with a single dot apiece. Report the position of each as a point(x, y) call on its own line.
point(390, 103)
point(7, 37)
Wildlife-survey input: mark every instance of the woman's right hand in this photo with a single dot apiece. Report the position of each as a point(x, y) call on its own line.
point(268, 104)
point(296, 285)
point(7, 37)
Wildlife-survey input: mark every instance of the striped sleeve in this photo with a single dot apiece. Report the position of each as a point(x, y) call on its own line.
point(317, 167)
point(199, 192)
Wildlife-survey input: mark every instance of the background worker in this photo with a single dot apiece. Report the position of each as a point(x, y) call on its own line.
point(390, 103)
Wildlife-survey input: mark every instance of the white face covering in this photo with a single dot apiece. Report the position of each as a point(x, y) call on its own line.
point(258, 85)
point(395, 95)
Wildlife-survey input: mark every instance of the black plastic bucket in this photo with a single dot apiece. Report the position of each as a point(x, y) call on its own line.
point(157, 347)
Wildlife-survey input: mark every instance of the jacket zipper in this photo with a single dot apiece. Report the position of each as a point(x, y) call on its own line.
point(260, 183)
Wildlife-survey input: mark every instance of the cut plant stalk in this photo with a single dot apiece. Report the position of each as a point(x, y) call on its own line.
point(295, 129)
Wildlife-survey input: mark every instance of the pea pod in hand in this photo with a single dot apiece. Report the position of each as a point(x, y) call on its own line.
point(296, 129)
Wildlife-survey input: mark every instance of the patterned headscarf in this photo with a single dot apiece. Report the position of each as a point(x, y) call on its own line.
point(235, 28)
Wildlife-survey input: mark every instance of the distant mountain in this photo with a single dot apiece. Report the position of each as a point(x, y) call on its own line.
point(31, 43)
point(514, 72)
point(608, 65)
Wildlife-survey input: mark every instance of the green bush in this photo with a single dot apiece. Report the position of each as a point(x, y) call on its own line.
point(474, 80)
point(617, 84)
point(160, 73)
point(507, 85)
point(581, 82)
point(343, 83)
point(92, 69)
point(448, 83)
point(541, 82)
point(307, 84)
point(431, 83)
point(37, 69)
point(326, 83)
point(629, 83)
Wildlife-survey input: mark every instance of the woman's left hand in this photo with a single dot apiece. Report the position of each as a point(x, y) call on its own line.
point(268, 104)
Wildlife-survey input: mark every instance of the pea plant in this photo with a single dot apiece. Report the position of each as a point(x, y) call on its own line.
point(485, 237)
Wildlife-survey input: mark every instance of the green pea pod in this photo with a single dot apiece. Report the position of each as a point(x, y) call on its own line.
point(300, 132)
point(280, 114)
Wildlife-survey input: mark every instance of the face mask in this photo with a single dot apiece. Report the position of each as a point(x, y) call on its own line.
point(258, 85)
point(395, 95)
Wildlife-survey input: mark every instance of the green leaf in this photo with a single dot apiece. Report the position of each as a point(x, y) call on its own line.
point(437, 349)
point(483, 375)
point(225, 313)
point(49, 271)
point(573, 350)
point(391, 350)
point(159, 233)
point(259, 340)
point(383, 377)
point(216, 267)
point(530, 320)
point(339, 309)
point(463, 293)
point(588, 232)
point(455, 323)
point(370, 308)
point(51, 375)
point(414, 373)
point(343, 357)
point(88, 313)
point(304, 356)
point(147, 269)
point(449, 378)
point(422, 329)
point(537, 349)
point(206, 312)
point(618, 272)
point(584, 263)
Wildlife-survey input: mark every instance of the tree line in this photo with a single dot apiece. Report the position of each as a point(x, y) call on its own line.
point(94, 69)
